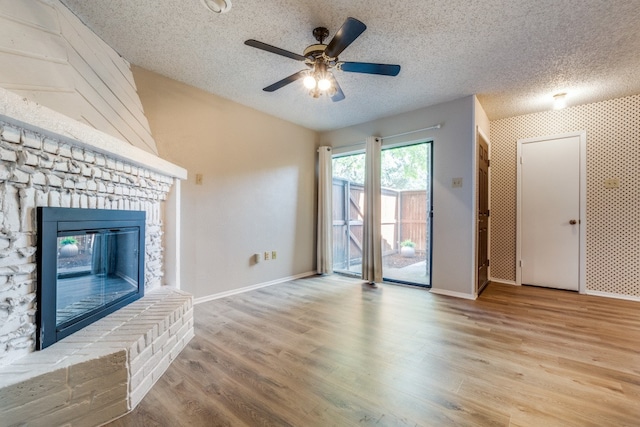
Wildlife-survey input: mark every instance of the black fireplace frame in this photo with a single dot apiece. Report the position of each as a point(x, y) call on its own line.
point(51, 223)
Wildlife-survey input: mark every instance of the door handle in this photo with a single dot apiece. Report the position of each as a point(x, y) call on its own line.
point(573, 222)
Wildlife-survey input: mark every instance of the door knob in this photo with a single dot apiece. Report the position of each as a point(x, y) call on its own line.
point(573, 222)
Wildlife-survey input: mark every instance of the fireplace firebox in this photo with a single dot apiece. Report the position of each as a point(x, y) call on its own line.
point(90, 264)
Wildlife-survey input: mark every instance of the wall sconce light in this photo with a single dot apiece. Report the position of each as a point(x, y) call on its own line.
point(559, 101)
point(217, 6)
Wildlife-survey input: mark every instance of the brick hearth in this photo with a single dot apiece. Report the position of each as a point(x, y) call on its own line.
point(102, 371)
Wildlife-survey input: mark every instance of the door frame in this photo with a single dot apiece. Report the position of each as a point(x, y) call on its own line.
point(480, 134)
point(582, 233)
point(429, 142)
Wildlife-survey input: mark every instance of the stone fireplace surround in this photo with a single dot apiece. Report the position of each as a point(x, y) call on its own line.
point(104, 370)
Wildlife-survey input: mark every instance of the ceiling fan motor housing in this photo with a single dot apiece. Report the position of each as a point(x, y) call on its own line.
point(314, 51)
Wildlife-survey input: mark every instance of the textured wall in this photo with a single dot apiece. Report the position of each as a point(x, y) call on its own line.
point(41, 171)
point(50, 57)
point(613, 215)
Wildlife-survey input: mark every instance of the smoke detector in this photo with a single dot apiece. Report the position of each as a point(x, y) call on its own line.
point(217, 6)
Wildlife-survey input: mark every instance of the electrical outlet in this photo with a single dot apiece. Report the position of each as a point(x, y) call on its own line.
point(198, 179)
point(612, 183)
point(266, 256)
point(274, 254)
point(456, 182)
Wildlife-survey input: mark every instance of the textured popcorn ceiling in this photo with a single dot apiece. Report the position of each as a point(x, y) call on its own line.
point(513, 54)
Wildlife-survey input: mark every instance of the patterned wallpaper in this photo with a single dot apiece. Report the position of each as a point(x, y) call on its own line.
point(613, 215)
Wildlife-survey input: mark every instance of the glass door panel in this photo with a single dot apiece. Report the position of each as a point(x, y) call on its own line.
point(348, 203)
point(406, 214)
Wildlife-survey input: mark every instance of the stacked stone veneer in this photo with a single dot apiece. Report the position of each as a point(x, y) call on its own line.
point(105, 369)
point(37, 170)
point(102, 371)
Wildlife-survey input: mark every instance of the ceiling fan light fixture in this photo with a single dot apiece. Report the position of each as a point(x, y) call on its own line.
point(315, 93)
point(559, 101)
point(217, 6)
point(309, 82)
point(324, 84)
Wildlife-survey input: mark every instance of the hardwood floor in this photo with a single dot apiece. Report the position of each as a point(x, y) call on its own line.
point(329, 351)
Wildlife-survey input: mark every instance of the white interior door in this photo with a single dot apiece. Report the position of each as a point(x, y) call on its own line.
point(549, 178)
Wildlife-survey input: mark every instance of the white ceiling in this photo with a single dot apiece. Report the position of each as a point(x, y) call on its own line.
point(514, 54)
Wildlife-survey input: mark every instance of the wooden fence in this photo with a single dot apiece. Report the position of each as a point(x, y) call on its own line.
point(404, 217)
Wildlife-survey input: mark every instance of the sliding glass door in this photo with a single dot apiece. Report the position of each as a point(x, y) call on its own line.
point(348, 205)
point(406, 213)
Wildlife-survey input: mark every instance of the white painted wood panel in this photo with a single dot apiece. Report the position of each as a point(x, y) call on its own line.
point(56, 100)
point(19, 38)
point(101, 97)
point(50, 57)
point(73, 102)
point(18, 72)
point(109, 69)
point(36, 13)
point(101, 108)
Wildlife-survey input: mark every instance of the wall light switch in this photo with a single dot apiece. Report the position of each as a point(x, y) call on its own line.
point(266, 256)
point(198, 179)
point(456, 183)
point(612, 183)
point(274, 254)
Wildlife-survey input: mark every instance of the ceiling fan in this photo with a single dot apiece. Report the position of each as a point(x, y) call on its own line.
point(322, 58)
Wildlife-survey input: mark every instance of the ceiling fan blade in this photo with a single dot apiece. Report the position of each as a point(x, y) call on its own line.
point(285, 81)
point(339, 95)
point(346, 35)
point(273, 49)
point(369, 68)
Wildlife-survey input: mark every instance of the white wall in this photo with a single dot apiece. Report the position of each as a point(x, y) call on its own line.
point(257, 192)
point(50, 57)
point(454, 212)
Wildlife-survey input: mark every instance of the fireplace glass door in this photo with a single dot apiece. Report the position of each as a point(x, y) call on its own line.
point(94, 269)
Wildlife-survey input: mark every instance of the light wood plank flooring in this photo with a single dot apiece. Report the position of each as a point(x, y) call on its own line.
point(329, 351)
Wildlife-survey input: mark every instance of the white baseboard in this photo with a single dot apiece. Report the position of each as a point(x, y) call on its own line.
point(251, 287)
point(611, 295)
point(504, 282)
point(453, 294)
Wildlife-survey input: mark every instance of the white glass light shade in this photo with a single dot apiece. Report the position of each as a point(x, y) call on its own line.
point(324, 84)
point(309, 82)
